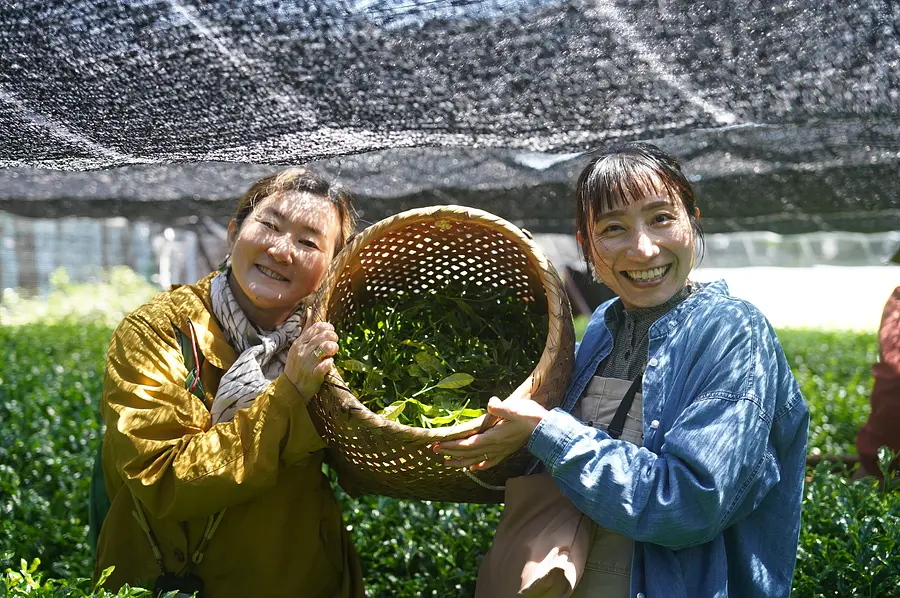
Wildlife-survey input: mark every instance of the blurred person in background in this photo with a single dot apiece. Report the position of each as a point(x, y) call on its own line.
point(214, 469)
point(683, 432)
point(882, 428)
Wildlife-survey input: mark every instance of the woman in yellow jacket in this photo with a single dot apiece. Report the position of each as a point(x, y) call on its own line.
point(218, 484)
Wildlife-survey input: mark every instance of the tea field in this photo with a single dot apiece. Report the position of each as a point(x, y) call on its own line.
point(50, 379)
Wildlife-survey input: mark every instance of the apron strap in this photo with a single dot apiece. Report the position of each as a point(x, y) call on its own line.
point(617, 425)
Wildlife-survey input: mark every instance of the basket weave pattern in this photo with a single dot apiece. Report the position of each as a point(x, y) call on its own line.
point(411, 253)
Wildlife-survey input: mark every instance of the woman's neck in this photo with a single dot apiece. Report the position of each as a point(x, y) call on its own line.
point(263, 319)
point(654, 312)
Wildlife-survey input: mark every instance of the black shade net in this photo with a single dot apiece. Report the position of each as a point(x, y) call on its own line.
point(784, 113)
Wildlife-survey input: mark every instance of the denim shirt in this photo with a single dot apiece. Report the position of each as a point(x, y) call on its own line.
point(712, 498)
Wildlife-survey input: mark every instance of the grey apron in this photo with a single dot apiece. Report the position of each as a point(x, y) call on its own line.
point(607, 573)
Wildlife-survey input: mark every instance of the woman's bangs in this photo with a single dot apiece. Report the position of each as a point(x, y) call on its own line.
point(620, 185)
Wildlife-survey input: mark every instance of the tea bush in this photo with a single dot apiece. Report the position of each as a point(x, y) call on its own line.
point(850, 536)
point(28, 581)
point(50, 379)
point(105, 302)
point(409, 548)
point(834, 371)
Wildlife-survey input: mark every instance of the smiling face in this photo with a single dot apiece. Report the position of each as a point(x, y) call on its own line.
point(280, 253)
point(643, 251)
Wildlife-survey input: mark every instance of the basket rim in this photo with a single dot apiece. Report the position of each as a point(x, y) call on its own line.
point(537, 261)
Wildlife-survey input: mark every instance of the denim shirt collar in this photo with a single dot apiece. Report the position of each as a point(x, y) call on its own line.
point(597, 341)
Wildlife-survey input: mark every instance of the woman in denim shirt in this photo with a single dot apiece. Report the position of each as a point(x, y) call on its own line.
point(698, 494)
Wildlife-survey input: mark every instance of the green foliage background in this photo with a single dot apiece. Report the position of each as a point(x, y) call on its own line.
point(50, 380)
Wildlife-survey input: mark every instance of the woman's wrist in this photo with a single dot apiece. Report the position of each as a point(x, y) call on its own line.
point(304, 390)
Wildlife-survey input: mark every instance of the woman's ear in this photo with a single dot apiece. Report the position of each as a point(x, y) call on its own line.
point(231, 237)
point(697, 213)
point(579, 238)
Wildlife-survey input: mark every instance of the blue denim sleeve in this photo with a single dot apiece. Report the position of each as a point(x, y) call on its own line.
point(683, 497)
point(713, 464)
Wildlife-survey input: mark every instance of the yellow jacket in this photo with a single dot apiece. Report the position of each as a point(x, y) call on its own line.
point(282, 533)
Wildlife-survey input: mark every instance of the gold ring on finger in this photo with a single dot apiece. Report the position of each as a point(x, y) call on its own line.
point(485, 456)
point(319, 352)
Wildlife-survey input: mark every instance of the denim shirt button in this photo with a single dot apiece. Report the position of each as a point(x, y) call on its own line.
point(654, 424)
point(640, 595)
point(653, 362)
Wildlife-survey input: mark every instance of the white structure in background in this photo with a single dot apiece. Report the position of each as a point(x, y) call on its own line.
point(31, 249)
point(822, 280)
point(758, 249)
point(177, 257)
point(826, 297)
point(817, 280)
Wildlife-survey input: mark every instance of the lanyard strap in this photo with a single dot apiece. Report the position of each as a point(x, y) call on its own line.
point(193, 359)
point(617, 425)
point(211, 525)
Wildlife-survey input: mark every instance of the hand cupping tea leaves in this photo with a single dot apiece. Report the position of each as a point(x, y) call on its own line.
point(435, 358)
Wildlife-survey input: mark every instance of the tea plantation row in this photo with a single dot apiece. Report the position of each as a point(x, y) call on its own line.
point(50, 378)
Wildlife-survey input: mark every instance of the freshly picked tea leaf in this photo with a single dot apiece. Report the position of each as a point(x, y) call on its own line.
point(393, 411)
point(434, 358)
point(354, 365)
point(429, 363)
point(455, 381)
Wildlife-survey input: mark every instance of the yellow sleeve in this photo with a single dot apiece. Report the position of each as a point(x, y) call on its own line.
point(163, 446)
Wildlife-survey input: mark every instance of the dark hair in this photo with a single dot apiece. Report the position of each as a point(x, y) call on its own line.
point(627, 173)
point(300, 180)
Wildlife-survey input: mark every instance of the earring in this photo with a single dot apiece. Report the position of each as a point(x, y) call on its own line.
point(226, 263)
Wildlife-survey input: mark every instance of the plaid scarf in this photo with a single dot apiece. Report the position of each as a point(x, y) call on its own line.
point(263, 354)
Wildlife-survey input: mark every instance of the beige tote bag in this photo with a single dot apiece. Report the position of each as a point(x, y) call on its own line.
point(541, 544)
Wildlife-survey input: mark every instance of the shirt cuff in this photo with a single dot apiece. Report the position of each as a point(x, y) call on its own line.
point(553, 435)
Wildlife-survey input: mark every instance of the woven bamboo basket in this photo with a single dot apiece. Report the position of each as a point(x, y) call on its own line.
point(412, 252)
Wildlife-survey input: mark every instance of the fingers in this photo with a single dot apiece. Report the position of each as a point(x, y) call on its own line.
point(323, 346)
point(473, 460)
point(323, 368)
point(503, 409)
point(316, 330)
point(317, 342)
point(476, 464)
point(311, 358)
point(479, 442)
point(328, 349)
point(495, 407)
point(480, 466)
point(464, 458)
point(482, 458)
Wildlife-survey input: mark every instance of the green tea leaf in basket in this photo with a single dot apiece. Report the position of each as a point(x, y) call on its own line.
point(465, 308)
point(416, 344)
point(353, 365)
point(424, 408)
point(393, 411)
point(453, 416)
point(457, 416)
point(455, 381)
point(472, 413)
point(433, 357)
point(429, 362)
